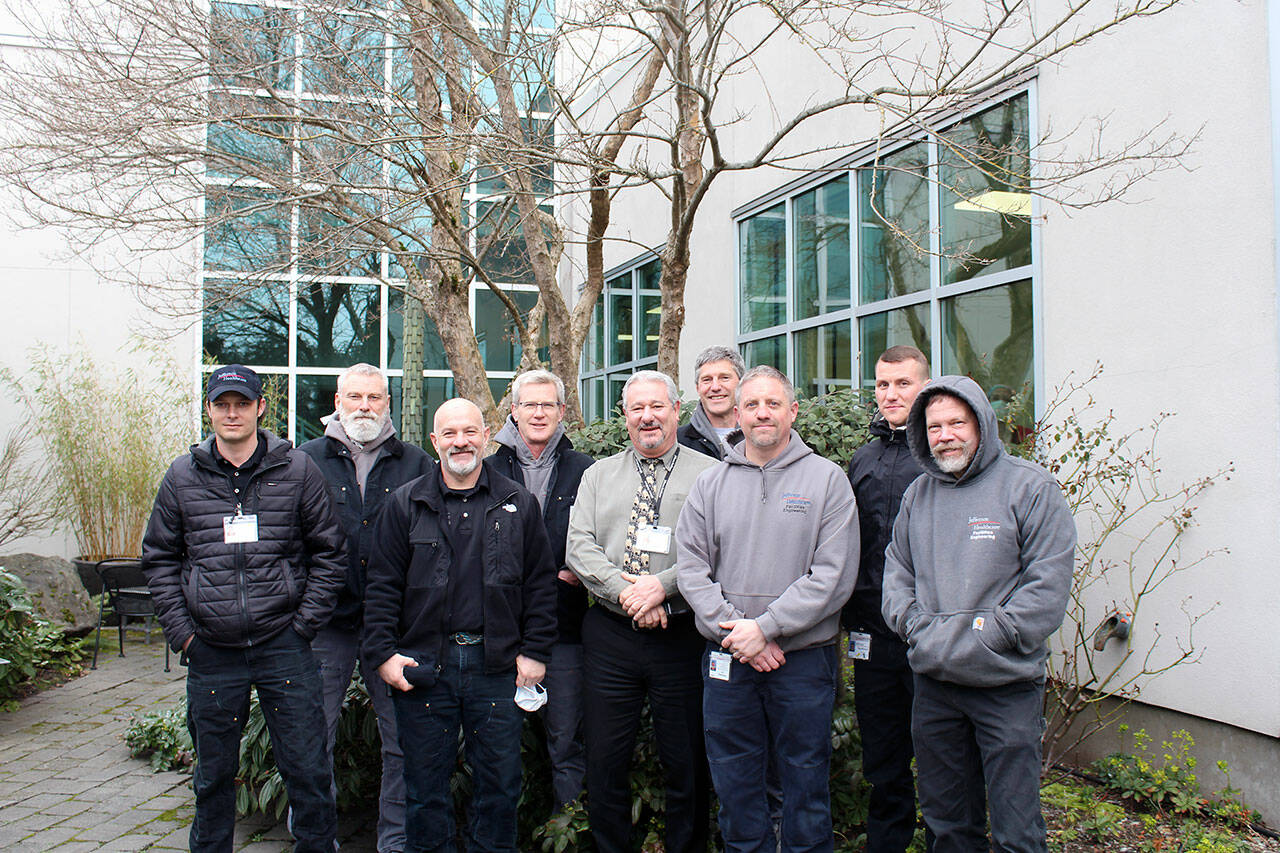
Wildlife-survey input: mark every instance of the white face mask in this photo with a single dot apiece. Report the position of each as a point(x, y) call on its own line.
point(531, 698)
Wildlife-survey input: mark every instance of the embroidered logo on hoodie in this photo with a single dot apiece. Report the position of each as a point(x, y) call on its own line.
point(982, 528)
point(795, 502)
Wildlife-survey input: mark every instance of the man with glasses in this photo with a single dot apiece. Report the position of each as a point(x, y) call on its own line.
point(534, 450)
point(363, 462)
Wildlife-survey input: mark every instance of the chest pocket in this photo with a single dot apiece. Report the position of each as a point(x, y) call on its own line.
point(504, 547)
point(428, 562)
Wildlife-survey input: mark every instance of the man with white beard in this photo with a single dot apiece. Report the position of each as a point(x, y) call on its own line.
point(363, 462)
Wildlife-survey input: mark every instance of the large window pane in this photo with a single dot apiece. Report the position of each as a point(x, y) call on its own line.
point(594, 405)
point(251, 46)
point(893, 225)
point(762, 261)
point(314, 401)
point(344, 55)
point(621, 337)
point(247, 136)
point(246, 230)
point(495, 329)
point(822, 249)
point(770, 351)
point(332, 245)
point(987, 335)
point(246, 322)
point(985, 195)
point(500, 243)
point(594, 350)
point(824, 359)
point(878, 332)
point(433, 350)
point(338, 324)
point(614, 400)
point(650, 323)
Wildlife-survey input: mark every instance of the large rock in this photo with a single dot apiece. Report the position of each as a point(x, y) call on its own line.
point(55, 589)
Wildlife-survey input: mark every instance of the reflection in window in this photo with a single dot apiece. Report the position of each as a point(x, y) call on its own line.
point(987, 336)
point(314, 400)
point(344, 54)
point(893, 202)
point(878, 332)
point(500, 244)
point(762, 269)
point(985, 195)
point(338, 324)
point(496, 332)
point(823, 359)
point(822, 249)
point(340, 143)
point(594, 405)
point(246, 323)
point(246, 230)
point(251, 46)
point(593, 352)
point(770, 351)
point(650, 324)
point(247, 136)
point(433, 357)
point(621, 336)
point(330, 245)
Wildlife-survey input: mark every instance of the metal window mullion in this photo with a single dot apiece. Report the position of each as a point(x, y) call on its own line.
point(935, 256)
point(855, 279)
point(1037, 294)
point(789, 283)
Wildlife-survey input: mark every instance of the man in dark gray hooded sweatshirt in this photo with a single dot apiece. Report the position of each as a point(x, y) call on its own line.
point(976, 578)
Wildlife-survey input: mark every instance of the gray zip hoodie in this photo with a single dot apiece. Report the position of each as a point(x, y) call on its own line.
point(978, 572)
point(776, 543)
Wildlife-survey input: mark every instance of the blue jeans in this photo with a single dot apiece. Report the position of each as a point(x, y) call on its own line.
point(428, 718)
point(335, 651)
point(784, 715)
point(288, 682)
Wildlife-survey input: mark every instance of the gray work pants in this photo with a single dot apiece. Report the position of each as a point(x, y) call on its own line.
point(978, 748)
point(335, 651)
point(562, 716)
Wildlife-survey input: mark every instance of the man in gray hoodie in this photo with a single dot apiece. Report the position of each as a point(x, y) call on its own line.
point(976, 578)
point(768, 554)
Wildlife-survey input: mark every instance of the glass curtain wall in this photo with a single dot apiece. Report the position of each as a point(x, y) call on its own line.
point(623, 336)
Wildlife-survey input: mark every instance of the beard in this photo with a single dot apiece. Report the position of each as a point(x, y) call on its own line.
point(461, 469)
point(361, 428)
point(953, 464)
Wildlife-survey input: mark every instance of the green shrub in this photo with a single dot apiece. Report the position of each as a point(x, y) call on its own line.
point(29, 645)
point(162, 737)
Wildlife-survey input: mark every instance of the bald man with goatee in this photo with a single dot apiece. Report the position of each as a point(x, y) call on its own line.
point(460, 611)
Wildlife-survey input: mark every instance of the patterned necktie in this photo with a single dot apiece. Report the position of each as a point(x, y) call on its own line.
point(643, 512)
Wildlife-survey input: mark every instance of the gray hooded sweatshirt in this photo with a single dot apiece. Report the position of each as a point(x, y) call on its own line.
point(776, 543)
point(537, 469)
point(978, 572)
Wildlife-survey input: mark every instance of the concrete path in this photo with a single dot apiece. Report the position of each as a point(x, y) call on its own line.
point(67, 782)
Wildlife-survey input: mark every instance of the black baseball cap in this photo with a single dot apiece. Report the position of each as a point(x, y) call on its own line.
point(234, 377)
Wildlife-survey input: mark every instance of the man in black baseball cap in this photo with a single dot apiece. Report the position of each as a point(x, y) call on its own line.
point(245, 557)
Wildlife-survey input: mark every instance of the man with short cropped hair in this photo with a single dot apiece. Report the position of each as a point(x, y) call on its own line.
point(245, 557)
point(976, 578)
point(534, 450)
point(639, 641)
point(880, 472)
point(364, 462)
point(768, 545)
point(459, 613)
point(716, 372)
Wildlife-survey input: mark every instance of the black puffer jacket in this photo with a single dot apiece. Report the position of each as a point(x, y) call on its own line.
point(562, 489)
point(879, 472)
point(407, 599)
point(397, 464)
point(238, 595)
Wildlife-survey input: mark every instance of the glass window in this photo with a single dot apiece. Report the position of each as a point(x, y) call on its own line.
point(593, 352)
point(246, 322)
point(621, 337)
point(433, 350)
point(594, 405)
point(500, 244)
point(251, 45)
point(614, 400)
point(275, 390)
point(762, 260)
point(496, 330)
point(247, 136)
point(985, 195)
point(329, 244)
point(893, 225)
point(650, 324)
point(314, 400)
point(987, 336)
point(344, 54)
point(878, 332)
point(338, 324)
point(822, 249)
point(824, 359)
point(770, 351)
point(246, 230)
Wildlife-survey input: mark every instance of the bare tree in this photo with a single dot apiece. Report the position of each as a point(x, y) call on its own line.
point(29, 500)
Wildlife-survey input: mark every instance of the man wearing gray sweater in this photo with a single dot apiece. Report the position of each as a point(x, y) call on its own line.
point(768, 545)
point(976, 578)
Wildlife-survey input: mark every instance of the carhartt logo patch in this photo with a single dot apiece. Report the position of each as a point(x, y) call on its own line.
point(982, 528)
point(795, 502)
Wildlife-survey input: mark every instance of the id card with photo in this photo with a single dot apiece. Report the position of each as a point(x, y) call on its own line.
point(654, 539)
point(239, 528)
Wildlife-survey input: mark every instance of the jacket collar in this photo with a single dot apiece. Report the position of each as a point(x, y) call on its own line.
point(429, 488)
point(277, 452)
point(333, 447)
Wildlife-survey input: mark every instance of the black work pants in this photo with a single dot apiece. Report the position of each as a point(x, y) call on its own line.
point(623, 667)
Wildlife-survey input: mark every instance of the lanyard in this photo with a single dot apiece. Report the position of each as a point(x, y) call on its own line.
point(656, 497)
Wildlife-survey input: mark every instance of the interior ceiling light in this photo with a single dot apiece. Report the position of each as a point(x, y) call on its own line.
point(997, 201)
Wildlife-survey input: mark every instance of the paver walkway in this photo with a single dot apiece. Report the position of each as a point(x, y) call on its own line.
point(67, 782)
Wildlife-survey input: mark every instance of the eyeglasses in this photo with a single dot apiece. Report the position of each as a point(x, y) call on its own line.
point(531, 408)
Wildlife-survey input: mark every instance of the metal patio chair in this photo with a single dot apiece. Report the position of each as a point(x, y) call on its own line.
point(125, 591)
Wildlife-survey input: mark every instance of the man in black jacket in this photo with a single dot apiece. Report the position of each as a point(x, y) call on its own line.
point(533, 450)
point(459, 613)
point(880, 472)
point(364, 462)
point(245, 557)
point(716, 373)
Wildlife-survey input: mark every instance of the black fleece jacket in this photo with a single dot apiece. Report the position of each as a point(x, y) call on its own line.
point(238, 595)
point(407, 598)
